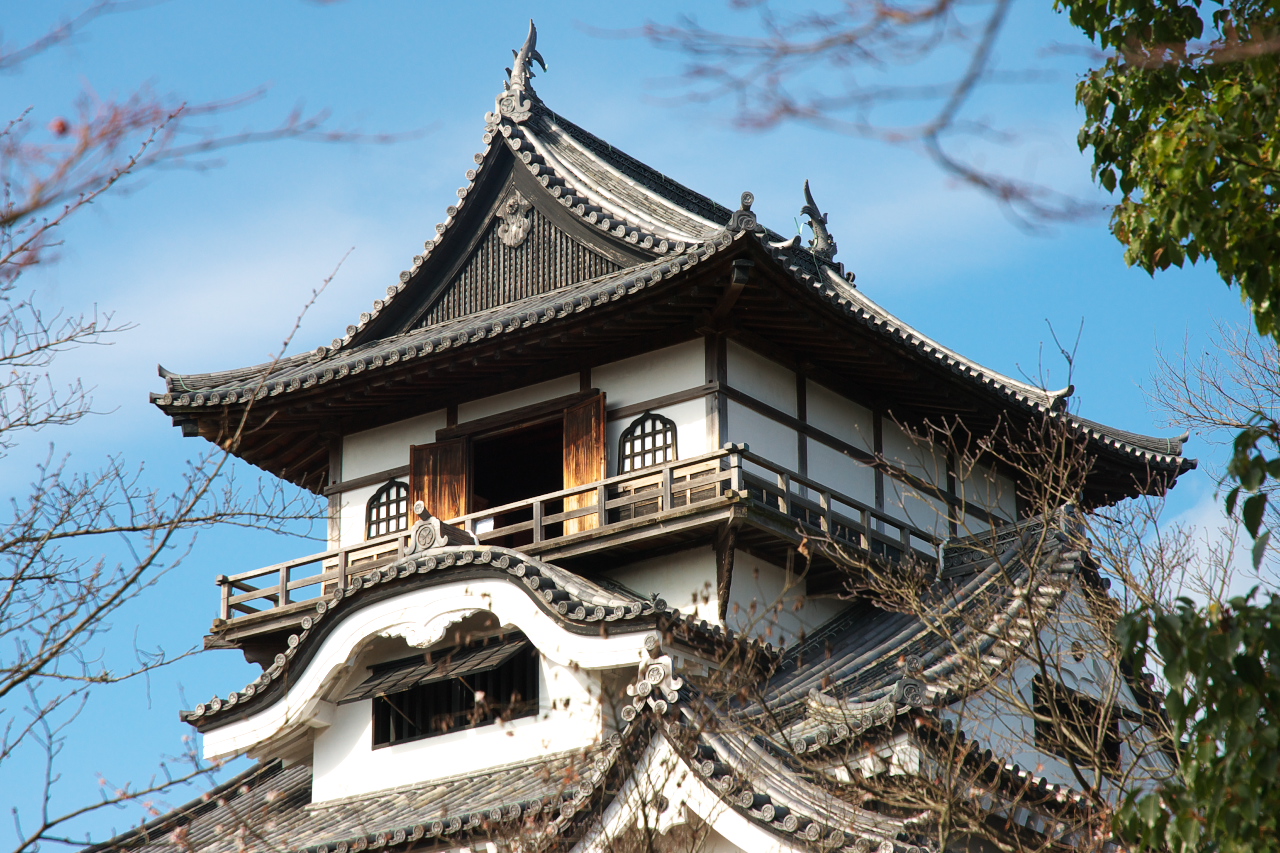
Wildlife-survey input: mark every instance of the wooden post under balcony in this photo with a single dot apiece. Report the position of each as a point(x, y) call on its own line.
point(224, 610)
point(284, 586)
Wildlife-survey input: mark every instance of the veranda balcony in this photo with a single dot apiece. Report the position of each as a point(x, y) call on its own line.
point(588, 528)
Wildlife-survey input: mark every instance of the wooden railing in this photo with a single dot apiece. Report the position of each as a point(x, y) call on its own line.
point(732, 473)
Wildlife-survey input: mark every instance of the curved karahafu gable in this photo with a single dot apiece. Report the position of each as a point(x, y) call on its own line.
point(572, 621)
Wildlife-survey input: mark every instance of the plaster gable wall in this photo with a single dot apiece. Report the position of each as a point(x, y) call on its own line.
point(998, 718)
point(767, 601)
point(682, 579)
point(346, 764)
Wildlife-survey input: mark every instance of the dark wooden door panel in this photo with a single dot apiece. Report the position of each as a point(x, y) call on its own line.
point(585, 457)
point(439, 476)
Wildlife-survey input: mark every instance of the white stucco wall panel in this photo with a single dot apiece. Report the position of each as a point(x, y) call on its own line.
point(982, 487)
point(691, 430)
point(384, 447)
point(509, 400)
point(765, 601)
point(767, 381)
point(916, 455)
point(832, 468)
point(653, 374)
point(346, 763)
point(683, 580)
point(765, 437)
point(839, 416)
point(906, 504)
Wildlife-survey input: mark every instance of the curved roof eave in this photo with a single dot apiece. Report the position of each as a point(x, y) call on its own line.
point(632, 208)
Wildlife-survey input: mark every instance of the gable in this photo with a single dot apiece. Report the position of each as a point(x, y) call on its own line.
point(520, 253)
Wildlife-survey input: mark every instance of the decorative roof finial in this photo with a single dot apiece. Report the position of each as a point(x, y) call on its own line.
point(743, 219)
point(516, 102)
point(822, 245)
point(521, 71)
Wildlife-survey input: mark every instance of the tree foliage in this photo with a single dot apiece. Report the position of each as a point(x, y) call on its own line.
point(1182, 119)
point(1221, 665)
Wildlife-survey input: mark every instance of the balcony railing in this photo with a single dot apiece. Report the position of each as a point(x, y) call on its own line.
point(538, 524)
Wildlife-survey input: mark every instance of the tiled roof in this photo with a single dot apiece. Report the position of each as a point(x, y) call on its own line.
point(861, 662)
point(269, 808)
point(615, 193)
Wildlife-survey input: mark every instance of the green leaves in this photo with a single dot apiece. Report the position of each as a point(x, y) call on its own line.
point(1222, 665)
point(1188, 132)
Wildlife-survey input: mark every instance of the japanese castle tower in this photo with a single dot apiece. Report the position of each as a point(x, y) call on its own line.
point(606, 469)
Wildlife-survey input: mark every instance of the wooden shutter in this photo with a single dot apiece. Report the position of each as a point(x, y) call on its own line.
point(585, 458)
point(440, 477)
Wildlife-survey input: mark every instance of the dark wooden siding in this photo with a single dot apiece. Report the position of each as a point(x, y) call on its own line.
point(496, 274)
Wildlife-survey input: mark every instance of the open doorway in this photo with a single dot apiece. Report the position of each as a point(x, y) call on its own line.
point(516, 465)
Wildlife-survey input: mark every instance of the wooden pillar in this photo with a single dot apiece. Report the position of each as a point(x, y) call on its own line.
point(877, 447)
point(802, 414)
point(717, 404)
point(335, 500)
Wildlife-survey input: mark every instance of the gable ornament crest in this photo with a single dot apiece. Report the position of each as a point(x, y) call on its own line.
point(516, 221)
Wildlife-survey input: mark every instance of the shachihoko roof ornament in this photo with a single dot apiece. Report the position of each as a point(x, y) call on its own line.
point(823, 245)
point(514, 102)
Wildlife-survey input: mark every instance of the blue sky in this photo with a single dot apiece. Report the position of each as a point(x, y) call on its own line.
point(213, 266)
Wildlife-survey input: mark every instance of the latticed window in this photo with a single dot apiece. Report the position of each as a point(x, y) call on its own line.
point(388, 510)
point(649, 441)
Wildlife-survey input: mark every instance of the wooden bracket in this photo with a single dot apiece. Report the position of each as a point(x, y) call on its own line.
point(726, 544)
point(738, 279)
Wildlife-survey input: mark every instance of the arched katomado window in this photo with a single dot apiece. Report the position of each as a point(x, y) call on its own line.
point(388, 510)
point(649, 440)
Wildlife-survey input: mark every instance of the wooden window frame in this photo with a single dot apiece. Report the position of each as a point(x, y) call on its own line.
point(448, 705)
point(378, 501)
point(669, 429)
point(1055, 706)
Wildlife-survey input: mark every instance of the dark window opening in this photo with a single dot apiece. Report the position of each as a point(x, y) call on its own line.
point(515, 466)
point(1076, 727)
point(451, 690)
point(649, 441)
point(387, 511)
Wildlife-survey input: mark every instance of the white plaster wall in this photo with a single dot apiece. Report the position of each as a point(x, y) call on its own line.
point(509, 400)
point(653, 374)
point(765, 437)
point(384, 447)
point(369, 452)
point(763, 379)
point(832, 468)
point(691, 430)
point(906, 504)
point(998, 718)
point(917, 455)
point(984, 488)
point(679, 578)
point(351, 509)
point(346, 764)
point(839, 416)
point(766, 586)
